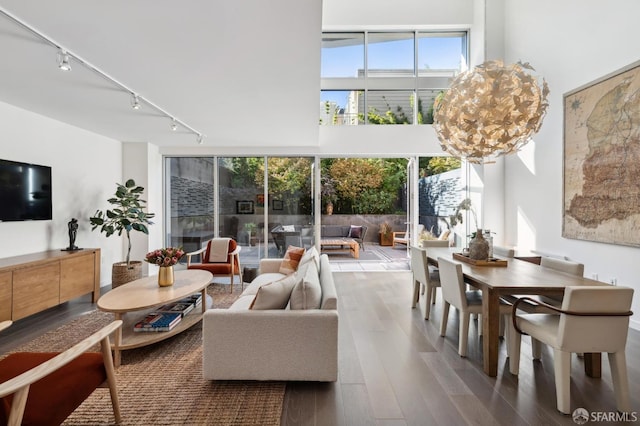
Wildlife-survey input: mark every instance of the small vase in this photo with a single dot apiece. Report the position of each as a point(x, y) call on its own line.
point(478, 247)
point(165, 276)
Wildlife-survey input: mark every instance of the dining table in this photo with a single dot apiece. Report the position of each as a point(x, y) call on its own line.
point(518, 277)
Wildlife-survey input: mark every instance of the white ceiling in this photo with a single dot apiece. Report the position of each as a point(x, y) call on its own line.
point(244, 73)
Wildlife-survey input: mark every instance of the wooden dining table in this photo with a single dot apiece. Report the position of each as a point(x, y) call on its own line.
point(519, 277)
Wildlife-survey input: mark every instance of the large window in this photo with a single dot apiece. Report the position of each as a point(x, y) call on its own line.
point(386, 77)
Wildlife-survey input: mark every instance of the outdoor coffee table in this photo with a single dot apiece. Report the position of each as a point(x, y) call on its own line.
point(132, 301)
point(340, 244)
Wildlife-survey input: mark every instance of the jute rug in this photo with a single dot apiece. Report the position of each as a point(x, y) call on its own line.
point(162, 384)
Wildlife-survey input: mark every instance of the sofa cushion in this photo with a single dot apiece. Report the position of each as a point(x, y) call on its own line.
point(275, 295)
point(355, 231)
point(291, 260)
point(243, 302)
point(309, 255)
point(307, 293)
point(261, 280)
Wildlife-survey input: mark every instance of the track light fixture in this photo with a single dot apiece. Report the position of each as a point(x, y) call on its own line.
point(200, 139)
point(135, 102)
point(63, 60)
point(64, 64)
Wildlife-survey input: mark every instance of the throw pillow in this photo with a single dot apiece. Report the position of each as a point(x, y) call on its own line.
point(275, 295)
point(288, 228)
point(307, 293)
point(310, 254)
point(355, 232)
point(291, 260)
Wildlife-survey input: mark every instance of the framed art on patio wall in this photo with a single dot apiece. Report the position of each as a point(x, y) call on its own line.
point(601, 194)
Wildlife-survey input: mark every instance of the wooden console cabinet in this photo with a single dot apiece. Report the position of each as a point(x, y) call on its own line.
point(34, 282)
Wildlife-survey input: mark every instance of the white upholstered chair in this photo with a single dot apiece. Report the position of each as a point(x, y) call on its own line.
point(591, 319)
point(467, 302)
point(424, 276)
point(504, 251)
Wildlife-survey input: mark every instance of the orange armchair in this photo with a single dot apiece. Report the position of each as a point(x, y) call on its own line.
point(211, 261)
point(45, 388)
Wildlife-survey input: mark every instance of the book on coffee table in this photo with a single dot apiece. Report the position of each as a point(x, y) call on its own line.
point(158, 321)
point(181, 307)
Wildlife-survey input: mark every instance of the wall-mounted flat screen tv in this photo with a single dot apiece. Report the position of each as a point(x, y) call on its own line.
point(25, 191)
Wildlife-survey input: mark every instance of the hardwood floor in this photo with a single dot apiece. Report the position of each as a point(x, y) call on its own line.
point(395, 369)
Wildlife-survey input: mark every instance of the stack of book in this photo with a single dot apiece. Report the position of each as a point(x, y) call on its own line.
point(158, 321)
point(168, 316)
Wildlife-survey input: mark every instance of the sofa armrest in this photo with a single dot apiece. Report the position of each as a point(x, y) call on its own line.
point(269, 266)
point(270, 345)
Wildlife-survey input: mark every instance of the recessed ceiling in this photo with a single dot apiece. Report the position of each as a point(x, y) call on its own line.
point(242, 73)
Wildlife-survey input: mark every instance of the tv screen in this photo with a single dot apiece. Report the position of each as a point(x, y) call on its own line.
point(25, 191)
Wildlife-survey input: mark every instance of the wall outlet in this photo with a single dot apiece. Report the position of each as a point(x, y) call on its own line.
point(594, 277)
point(613, 281)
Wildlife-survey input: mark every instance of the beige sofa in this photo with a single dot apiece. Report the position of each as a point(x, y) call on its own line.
point(240, 343)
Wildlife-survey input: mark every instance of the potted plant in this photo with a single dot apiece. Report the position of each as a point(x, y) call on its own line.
point(127, 215)
point(328, 192)
point(386, 234)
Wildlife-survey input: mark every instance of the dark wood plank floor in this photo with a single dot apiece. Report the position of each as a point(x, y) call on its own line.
point(395, 369)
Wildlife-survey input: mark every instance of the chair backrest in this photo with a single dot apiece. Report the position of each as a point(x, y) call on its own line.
point(452, 283)
point(503, 251)
point(594, 333)
point(232, 247)
point(561, 265)
point(419, 265)
point(435, 243)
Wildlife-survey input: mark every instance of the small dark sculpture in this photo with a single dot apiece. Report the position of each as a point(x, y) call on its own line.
point(73, 231)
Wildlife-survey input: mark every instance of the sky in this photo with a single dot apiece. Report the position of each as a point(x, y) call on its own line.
point(345, 61)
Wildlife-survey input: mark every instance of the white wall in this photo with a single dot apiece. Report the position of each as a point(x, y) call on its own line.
point(85, 168)
point(570, 44)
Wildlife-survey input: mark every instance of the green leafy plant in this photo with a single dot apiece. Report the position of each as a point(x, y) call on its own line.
point(128, 214)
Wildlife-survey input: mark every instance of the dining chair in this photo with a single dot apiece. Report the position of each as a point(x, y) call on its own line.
point(221, 256)
point(504, 251)
point(466, 302)
point(44, 388)
point(424, 276)
point(591, 319)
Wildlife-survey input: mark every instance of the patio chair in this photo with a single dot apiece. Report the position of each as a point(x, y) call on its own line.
point(216, 263)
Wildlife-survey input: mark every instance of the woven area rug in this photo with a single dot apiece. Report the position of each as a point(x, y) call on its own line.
point(162, 384)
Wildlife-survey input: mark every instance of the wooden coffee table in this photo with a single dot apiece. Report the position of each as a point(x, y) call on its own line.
point(132, 301)
point(340, 245)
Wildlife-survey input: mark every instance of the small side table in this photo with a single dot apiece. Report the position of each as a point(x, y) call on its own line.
point(249, 273)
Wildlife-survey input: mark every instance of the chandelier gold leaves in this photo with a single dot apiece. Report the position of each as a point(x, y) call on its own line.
point(490, 111)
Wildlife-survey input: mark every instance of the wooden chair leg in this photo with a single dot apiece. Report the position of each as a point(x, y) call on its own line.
point(445, 319)
point(105, 347)
point(427, 302)
point(416, 293)
point(536, 348)
point(464, 333)
point(514, 340)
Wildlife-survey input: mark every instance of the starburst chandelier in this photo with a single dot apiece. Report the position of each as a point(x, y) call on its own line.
point(490, 111)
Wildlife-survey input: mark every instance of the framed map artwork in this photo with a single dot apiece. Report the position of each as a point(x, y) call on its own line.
point(601, 195)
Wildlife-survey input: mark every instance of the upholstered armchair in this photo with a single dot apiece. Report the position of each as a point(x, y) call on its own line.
point(45, 388)
point(221, 256)
point(591, 319)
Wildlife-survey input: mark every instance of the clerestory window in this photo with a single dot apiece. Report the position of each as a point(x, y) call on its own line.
point(385, 77)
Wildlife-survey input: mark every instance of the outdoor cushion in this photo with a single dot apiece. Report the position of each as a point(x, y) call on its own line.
point(355, 231)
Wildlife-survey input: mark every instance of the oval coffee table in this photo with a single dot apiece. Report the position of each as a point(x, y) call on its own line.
point(132, 301)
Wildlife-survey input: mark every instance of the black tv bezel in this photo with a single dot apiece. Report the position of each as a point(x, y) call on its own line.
point(42, 167)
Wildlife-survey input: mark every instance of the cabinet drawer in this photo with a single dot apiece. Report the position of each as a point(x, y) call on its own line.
point(5, 296)
point(76, 277)
point(35, 289)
